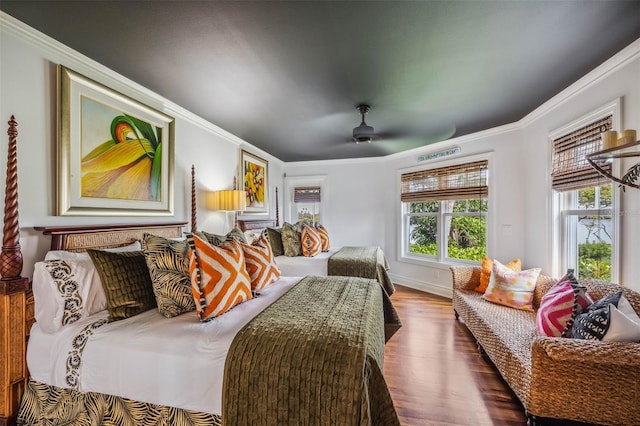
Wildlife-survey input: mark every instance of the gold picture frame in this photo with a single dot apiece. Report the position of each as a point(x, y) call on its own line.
point(115, 155)
point(254, 178)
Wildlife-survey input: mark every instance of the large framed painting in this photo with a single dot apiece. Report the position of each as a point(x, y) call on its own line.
point(254, 177)
point(115, 154)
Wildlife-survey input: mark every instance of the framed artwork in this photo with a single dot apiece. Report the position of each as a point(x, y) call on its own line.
point(254, 177)
point(115, 155)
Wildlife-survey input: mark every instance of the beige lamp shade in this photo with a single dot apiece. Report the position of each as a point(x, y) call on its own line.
point(227, 199)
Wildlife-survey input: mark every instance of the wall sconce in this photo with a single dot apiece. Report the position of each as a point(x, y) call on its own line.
point(227, 200)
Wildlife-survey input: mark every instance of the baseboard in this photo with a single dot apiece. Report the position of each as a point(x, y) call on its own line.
point(427, 287)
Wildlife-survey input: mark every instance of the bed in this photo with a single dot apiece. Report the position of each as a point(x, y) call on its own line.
point(305, 350)
point(357, 261)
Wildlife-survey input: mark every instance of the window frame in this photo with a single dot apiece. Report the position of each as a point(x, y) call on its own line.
point(563, 205)
point(404, 255)
point(293, 182)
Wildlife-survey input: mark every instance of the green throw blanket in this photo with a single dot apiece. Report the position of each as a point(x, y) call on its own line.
point(365, 262)
point(314, 357)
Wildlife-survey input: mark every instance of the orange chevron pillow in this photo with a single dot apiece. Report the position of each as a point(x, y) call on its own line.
point(260, 263)
point(311, 241)
point(324, 237)
point(219, 279)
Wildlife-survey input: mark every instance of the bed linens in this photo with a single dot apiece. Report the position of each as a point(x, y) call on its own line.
point(158, 360)
point(316, 358)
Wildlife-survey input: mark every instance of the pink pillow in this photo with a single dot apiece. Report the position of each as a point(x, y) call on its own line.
point(509, 288)
point(560, 305)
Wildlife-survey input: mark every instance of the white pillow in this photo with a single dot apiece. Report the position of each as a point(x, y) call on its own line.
point(67, 287)
point(252, 235)
point(624, 323)
point(65, 291)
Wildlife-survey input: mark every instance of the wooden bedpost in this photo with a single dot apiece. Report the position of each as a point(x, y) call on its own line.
point(277, 211)
point(194, 204)
point(13, 295)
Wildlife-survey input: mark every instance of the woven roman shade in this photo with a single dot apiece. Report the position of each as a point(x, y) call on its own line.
point(307, 194)
point(459, 182)
point(571, 170)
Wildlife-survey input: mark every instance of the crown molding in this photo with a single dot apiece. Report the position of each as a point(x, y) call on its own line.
point(59, 53)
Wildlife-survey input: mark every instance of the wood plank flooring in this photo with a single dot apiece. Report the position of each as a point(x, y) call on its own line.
point(435, 373)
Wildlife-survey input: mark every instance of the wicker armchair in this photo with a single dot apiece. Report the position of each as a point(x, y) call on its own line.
point(560, 378)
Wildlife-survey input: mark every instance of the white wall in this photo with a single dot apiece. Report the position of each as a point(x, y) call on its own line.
point(28, 85)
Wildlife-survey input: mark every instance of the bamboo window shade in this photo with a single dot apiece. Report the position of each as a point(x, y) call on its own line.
point(307, 194)
point(459, 182)
point(571, 170)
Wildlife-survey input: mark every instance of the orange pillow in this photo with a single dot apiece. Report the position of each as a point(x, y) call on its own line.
point(485, 272)
point(311, 241)
point(219, 279)
point(324, 236)
point(261, 266)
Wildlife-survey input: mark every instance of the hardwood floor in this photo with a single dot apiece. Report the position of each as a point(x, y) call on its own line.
point(436, 374)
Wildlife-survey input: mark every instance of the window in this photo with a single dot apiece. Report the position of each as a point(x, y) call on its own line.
point(585, 202)
point(307, 202)
point(445, 212)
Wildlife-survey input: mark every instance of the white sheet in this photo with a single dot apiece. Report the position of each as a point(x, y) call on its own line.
point(177, 362)
point(300, 266)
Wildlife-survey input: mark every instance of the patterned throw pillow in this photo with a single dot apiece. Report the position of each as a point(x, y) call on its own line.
point(275, 240)
point(311, 241)
point(168, 263)
point(126, 282)
point(260, 264)
point(219, 279)
point(485, 272)
point(560, 305)
point(291, 240)
point(513, 289)
point(324, 236)
point(593, 323)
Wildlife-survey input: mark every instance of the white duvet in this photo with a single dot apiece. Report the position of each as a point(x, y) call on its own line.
point(176, 362)
point(300, 266)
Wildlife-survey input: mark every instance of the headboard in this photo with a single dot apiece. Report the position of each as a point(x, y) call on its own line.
point(80, 238)
point(248, 225)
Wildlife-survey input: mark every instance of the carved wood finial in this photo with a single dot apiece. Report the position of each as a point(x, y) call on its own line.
point(11, 256)
point(277, 210)
point(194, 204)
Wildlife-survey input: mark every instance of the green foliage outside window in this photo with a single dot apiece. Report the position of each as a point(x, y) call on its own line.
point(467, 234)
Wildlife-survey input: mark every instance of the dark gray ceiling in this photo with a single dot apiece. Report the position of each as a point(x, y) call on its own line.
point(286, 76)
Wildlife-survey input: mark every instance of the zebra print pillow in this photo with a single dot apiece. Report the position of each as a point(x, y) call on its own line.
point(168, 263)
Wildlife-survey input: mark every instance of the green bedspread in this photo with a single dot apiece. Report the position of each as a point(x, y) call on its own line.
point(314, 357)
point(365, 262)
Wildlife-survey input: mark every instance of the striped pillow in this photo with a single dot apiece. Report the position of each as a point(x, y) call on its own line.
point(260, 264)
point(560, 305)
point(324, 236)
point(311, 241)
point(219, 279)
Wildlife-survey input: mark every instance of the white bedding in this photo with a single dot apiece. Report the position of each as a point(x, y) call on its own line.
point(176, 362)
point(300, 266)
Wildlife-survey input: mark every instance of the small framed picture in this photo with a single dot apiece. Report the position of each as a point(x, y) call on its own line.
point(254, 174)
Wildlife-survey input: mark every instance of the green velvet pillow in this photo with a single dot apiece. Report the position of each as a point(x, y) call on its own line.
point(168, 263)
point(126, 282)
point(291, 241)
point(274, 235)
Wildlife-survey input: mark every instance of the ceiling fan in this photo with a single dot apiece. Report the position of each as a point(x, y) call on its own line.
point(363, 132)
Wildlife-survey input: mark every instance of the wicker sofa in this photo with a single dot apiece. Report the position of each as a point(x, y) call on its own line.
point(554, 378)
